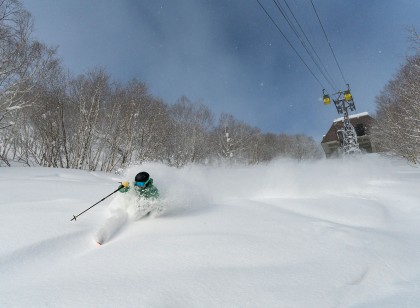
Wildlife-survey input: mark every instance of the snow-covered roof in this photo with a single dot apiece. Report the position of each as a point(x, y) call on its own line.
point(358, 115)
point(355, 119)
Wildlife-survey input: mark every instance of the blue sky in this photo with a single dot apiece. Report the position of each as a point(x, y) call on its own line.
point(228, 55)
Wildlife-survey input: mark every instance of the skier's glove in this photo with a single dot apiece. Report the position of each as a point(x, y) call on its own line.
point(125, 184)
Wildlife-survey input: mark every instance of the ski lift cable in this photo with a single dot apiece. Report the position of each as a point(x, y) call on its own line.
point(312, 47)
point(326, 37)
point(305, 46)
point(294, 49)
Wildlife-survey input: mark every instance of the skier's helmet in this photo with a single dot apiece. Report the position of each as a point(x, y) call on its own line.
point(142, 177)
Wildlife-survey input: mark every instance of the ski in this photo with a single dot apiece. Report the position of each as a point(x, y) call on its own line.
point(99, 240)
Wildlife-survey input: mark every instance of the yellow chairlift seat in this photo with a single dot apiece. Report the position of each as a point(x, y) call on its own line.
point(347, 96)
point(327, 100)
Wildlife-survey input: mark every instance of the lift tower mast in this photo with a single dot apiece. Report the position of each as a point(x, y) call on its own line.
point(344, 102)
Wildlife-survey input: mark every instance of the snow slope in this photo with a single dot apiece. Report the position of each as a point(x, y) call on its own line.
point(328, 233)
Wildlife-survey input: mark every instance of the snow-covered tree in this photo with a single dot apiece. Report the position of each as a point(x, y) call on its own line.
point(136, 126)
point(190, 125)
point(21, 59)
point(88, 94)
point(397, 128)
point(236, 140)
point(46, 120)
point(23, 63)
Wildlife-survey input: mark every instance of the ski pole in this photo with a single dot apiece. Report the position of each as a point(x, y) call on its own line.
point(74, 217)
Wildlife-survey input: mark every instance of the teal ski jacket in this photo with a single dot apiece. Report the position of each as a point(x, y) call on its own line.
point(148, 192)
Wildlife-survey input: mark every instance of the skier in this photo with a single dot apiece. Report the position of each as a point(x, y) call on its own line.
point(146, 195)
point(143, 185)
point(142, 200)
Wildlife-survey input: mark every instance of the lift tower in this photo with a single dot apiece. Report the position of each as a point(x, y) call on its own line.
point(347, 136)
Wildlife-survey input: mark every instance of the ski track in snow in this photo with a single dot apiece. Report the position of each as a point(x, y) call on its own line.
point(111, 226)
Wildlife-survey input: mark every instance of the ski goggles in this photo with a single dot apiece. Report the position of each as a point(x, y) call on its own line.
point(141, 184)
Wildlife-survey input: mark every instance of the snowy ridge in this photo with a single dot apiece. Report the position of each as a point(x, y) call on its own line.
point(283, 235)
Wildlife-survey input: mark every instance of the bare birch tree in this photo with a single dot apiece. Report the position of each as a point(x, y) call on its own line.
point(88, 94)
point(236, 139)
point(190, 125)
